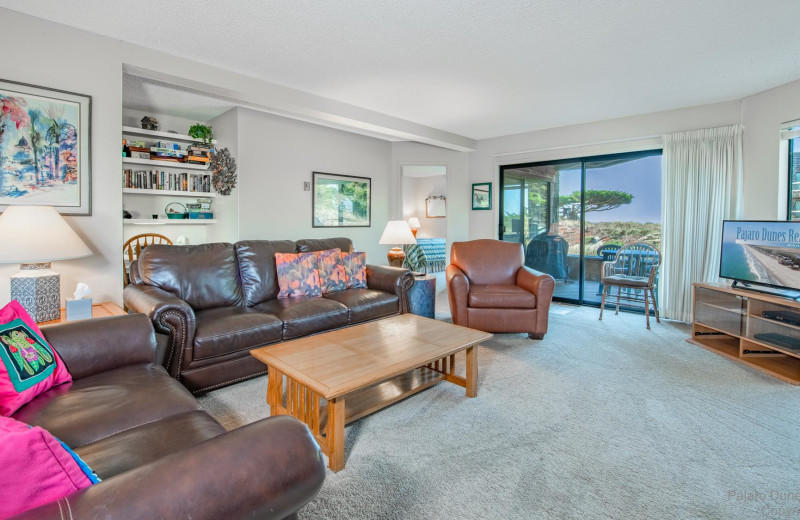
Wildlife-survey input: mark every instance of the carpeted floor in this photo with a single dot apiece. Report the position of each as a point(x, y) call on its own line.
point(601, 419)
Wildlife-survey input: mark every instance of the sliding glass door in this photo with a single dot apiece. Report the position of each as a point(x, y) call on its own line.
point(570, 214)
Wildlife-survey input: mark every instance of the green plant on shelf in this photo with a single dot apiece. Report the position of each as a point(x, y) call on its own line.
point(202, 133)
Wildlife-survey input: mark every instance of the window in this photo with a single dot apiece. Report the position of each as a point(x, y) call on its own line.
point(569, 214)
point(791, 134)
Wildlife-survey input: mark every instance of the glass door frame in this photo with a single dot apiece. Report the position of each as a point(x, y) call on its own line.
point(583, 161)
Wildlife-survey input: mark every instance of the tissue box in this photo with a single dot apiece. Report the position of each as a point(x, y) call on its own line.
point(78, 309)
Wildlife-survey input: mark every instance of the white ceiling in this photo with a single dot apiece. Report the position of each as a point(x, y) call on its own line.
point(475, 68)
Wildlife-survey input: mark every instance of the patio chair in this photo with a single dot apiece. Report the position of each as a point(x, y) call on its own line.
point(633, 272)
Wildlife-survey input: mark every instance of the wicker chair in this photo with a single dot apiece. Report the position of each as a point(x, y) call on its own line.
point(133, 248)
point(633, 272)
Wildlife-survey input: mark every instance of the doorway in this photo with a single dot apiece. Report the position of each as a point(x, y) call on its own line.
point(569, 215)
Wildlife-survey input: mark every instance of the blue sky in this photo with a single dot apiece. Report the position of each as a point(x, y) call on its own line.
point(641, 178)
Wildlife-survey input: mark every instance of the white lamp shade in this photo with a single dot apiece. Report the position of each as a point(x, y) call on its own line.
point(413, 223)
point(37, 234)
point(397, 232)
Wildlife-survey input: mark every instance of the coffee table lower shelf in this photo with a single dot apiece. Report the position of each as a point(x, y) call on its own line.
point(286, 396)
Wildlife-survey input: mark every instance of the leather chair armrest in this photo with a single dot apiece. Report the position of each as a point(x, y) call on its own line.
point(457, 293)
point(92, 346)
point(393, 280)
point(171, 316)
point(267, 469)
point(542, 285)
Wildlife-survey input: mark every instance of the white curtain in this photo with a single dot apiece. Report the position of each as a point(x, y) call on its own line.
point(701, 185)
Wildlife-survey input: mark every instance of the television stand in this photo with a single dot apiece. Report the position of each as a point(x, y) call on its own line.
point(783, 293)
point(750, 327)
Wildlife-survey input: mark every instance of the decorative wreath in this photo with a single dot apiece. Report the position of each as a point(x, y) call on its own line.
point(223, 167)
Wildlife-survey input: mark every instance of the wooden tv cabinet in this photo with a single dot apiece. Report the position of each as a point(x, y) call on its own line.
point(732, 323)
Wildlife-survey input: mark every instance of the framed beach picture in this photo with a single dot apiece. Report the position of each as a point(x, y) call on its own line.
point(482, 195)
point(341, 200)
point(45, 154)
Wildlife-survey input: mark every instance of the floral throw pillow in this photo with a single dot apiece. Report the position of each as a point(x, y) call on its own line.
point(297, 275)
point(28, 364)
point(332, 276)
point(355, 266)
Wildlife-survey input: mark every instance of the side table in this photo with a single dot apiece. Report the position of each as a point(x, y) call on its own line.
point(422, 296)
point(99, 310)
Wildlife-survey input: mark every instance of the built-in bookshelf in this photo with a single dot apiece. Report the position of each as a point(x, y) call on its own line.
point(148, 184)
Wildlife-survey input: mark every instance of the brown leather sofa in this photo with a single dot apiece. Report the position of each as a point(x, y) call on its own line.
point(491, 290)
point(159, 455)
point(218, 301)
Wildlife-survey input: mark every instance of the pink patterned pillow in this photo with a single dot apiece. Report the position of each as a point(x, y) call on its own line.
point(28, 364)
point(37, 468)
point(332, 276)
point(355, 265)
point(297, 274)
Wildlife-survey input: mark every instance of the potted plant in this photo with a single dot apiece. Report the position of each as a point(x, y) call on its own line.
point(202, 133)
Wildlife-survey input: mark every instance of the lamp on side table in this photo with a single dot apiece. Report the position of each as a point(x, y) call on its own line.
point(397, 233)
point(35, 236)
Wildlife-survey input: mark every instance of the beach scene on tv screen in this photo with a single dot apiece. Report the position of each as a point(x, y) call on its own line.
point(762, 252)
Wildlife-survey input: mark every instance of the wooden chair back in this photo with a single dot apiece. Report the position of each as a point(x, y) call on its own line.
point(637, 259)
point(133, 248)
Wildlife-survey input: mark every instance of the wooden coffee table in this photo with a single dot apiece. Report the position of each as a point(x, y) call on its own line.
point(334, 378)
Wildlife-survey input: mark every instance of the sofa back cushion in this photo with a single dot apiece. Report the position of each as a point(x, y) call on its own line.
point(205, 276)
point(308, 245)
point(487, 261)
point(257, 267)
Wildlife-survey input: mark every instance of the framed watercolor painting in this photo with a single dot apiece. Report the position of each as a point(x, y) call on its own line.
point(482, 195)
point(341, 200)
point(45, 156)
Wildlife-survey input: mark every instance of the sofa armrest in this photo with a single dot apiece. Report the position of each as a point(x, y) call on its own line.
point(393, 280)
point(457, 293)
point(267, 469)
point(92, 346)
point(170, 315)
point(542, 285)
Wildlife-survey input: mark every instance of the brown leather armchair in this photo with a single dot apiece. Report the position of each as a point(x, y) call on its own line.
point(490, 288)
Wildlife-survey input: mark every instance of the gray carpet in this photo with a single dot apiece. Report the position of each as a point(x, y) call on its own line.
point(601, 419)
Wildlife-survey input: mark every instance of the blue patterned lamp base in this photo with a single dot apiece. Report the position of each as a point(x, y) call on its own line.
point(37, 289)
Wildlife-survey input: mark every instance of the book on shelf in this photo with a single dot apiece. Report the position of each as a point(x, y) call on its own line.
point(167, 181)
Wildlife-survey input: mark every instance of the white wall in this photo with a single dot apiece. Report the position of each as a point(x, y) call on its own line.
point(765, 180)
point(277, 155)
point(458, 183)
point(226, 208)
point(611, 136)
point(415, 191)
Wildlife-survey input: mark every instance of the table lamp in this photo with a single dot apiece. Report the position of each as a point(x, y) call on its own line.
point(35, 236)
point(397, 232)
point(413, 223)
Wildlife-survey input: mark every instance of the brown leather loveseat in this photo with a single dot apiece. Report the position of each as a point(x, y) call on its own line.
point(491, 290)
point(159, 455)
point(219, 301)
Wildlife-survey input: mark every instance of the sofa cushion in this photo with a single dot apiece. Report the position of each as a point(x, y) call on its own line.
point(308, 245)
point(107, 403)
point(332, 276)
point(149, 442)
point(206, 276)
point(355, 266)
point(257, 268)
point(297, 275)
point(490, 296)
point(306, 315)
point(36, 468)
point(366, 304)
point(28, 364)
point(230, 329)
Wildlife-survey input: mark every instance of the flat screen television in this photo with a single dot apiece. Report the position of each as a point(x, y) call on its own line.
point(765, 253)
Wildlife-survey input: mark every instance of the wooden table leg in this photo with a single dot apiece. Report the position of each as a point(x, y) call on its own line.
point(274, 391)
point(335, 434)
point(472, 371)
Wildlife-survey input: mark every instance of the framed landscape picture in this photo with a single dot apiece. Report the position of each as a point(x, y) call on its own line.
point(45, 148)
point(482, 195)
point(341, 200)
